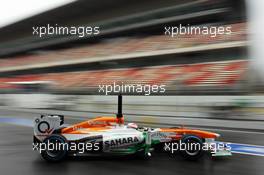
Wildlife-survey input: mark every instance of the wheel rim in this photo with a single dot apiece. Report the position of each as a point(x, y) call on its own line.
point(192, 152)
point(58, 150)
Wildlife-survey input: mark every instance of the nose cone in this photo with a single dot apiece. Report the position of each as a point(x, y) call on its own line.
point(203, 134)
point(206, 134)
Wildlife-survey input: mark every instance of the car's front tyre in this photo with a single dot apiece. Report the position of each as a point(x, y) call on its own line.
point(193, 149)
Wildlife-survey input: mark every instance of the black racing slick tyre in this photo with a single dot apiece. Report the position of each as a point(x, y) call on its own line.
point(142, 155)
point(55, 148)
point(193, 147)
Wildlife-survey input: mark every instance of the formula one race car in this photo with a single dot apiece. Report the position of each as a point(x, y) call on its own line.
point(110, 136)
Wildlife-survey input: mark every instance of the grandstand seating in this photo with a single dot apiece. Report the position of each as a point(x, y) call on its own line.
point(209, 74)
point(127, 45)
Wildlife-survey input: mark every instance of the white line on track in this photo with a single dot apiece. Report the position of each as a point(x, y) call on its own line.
point(252, 154)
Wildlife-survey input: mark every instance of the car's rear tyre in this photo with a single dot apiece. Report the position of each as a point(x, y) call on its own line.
point(57, 152)
point(193, 150)
point(143, 155)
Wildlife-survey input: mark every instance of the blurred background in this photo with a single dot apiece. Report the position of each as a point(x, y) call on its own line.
point(204, 76)
point(212, 83)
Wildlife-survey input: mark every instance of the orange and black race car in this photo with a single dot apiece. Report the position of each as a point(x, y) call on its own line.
point(103, 136)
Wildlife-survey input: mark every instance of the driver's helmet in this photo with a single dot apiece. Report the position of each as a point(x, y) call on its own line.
point(132, 125)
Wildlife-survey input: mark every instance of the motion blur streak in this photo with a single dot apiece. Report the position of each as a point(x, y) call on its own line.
point(255, 150)
point(17, 121)
point(256, 25)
